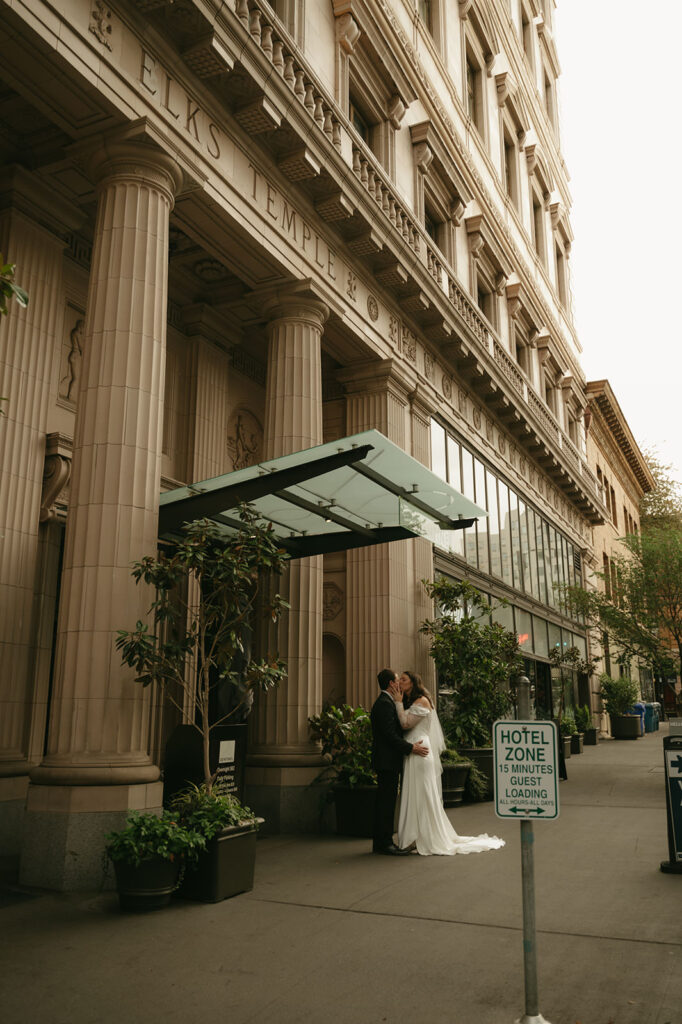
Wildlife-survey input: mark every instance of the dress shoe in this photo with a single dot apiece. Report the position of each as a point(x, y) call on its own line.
point(391, 851)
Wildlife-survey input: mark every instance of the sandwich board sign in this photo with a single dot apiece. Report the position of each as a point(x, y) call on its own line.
point(526, 775)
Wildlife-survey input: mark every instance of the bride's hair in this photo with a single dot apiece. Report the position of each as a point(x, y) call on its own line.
point(418, 690)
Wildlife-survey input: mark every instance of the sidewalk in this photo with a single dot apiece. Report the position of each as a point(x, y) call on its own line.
point(333, 935)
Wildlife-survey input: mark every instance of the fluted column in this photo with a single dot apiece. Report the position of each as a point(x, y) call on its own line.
point(28, 343)
point(380, 630)
point(293, 421)
point(100, 716)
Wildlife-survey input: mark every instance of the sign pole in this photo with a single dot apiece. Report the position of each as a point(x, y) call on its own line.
point(530, 964)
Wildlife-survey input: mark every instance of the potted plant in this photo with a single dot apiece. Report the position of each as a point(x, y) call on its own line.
point(583, 721)
point(208, 587)
point(476, 660)
point(567, 729)
point(148, 855)
point(619, 695)
point(345, 736)
point(456, 770)
point(225, 865)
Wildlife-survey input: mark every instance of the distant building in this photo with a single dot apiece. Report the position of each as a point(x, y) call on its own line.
point(623, 477)
point(246, 229)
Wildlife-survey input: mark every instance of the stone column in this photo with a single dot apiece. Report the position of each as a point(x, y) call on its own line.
point(379, 621)
point(97, 763)
point(283, 759)
point(29, 340)
point(421, 605)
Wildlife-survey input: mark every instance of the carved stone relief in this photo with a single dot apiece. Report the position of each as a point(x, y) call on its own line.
point(428, 366)
point(477, 417)
point(447, 386)
point(244, 439)
point(409, 344)
point(501, 443)
point(100, 22)
point(372, 308)
point(332, 600)
point(352, 286)
point(462, 402)
point(54, 498)
point(71, 356)
point(394, 331)
point(489, 433)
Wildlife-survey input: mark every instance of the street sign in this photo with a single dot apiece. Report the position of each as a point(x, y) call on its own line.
point(672, 753)
point(526, 777)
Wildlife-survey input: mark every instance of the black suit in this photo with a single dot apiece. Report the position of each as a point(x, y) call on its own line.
point(388, 750)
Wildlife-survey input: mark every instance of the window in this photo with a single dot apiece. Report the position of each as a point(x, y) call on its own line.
point(538, 226)
point(548, 91)
point(440, 192)
point(486, 300)
point(474, 93)
point(527, 35)
point(425, 9)
point(510, 155)
point(359, 122)
point(560, 267)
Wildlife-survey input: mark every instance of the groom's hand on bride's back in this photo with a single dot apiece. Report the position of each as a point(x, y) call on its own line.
point(420, 748)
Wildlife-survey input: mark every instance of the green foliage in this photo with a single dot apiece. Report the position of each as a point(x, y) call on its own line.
point(583, 718)
point(475, 659)
point(208, 590)
point(662, 506)
point(8, 289)
point(345, 734)
point(476, 788)
point(567, 725)
point(452, 756)
point(209, 812)
point(150, 835)
point(640, 604)
point(618, 694)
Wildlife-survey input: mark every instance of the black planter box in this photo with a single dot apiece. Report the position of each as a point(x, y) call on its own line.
point(146, 886)
point(454, 780)
point(577, 742)
point(355, 811)
point(225, 869)
point(482, 757)
point(590, 737)
point(626, 727)
point(566, 742)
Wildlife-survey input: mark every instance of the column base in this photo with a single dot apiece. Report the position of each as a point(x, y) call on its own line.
point(13, 791)
point(64, 828)
point(288, 798)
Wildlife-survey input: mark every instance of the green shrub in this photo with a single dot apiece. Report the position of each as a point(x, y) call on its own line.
point(567, 724)
point(345, 734)
point(583, 718)
point(208, 813)
point(152, 835)
point(618, 694)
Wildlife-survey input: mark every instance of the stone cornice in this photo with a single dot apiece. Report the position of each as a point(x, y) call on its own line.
point(603, 401)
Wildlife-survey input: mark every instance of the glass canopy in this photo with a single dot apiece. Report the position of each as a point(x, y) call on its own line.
point(354, 492)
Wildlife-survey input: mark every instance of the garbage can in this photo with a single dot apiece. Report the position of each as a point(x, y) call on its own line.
point(639, 709)
point(648, 717)
point(657, 715)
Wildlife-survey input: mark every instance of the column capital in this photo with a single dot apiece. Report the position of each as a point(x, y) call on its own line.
point(421, 403)
point(137, 153)
point(292, 305)
point(376, 375)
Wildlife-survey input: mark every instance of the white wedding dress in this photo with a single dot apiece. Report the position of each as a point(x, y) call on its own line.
point(422, 819)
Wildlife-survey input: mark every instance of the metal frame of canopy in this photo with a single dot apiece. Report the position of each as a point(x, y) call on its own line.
point(353, 492)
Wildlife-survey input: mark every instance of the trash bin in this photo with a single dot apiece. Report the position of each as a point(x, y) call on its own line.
point(639, 709)
point(648, 717)
point(657, 715)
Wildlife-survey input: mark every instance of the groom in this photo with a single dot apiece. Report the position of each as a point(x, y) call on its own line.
point(388, 750)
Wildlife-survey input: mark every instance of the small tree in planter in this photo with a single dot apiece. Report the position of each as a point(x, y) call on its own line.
point(208, 588)
point(476, 660)
point(345, 736)
point(619, 695)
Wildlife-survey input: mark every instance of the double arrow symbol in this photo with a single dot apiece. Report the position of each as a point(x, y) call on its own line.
point(526, 810)
point(677, 763)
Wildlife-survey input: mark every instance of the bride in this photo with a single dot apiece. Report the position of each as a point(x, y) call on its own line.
point(422, 820)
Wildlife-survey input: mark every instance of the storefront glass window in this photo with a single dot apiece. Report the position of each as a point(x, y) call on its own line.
point(493, 525)
point(554, 636)
point(524, 629)
point(542, 579)
point(540, 637)
point(533, 554)
point(516, 539)
point(438, 464)
point(482, 524)
point(505, 534)
point(525, 552)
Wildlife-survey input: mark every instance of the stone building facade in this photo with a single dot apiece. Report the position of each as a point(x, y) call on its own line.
point(623, 477)
point(247, 228)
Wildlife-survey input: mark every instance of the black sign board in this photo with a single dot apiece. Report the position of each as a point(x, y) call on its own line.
point(672, 754)
point(183, 763)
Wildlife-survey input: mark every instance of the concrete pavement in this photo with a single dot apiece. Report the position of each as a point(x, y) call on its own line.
point(333, 935)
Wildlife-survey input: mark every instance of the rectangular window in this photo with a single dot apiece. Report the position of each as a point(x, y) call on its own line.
point(493, 525)
point(516, 540)
point(455, 537)
point(524, 629)
point(538, 226)
point(468, 490)
point(510, 169)
point(525, 551)
point(560, 274)
point(426, 13)
point(533, 554)
point(438, 464)
point(542, 572)
point(482, 524)
point(359, 122)
point(505, 534)
point(474, 92)
point(540, 637)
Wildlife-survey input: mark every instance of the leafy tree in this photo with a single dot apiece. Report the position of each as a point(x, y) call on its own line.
point(475, 658)
point(209, 590)
point(663, 505)
point(8, 289)
point(641, 604)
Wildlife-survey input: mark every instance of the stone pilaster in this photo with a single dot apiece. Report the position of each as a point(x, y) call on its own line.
point(28, 343)
point(421, 411)
point(99, 720)
point(379, 621)
point(293, 421)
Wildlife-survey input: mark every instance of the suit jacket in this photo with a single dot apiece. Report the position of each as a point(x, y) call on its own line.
point(388, 746)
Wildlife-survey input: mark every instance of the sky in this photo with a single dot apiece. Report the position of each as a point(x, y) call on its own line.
point(621, 137)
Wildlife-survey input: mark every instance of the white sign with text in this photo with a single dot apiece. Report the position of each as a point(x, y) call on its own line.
point(526, 775)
